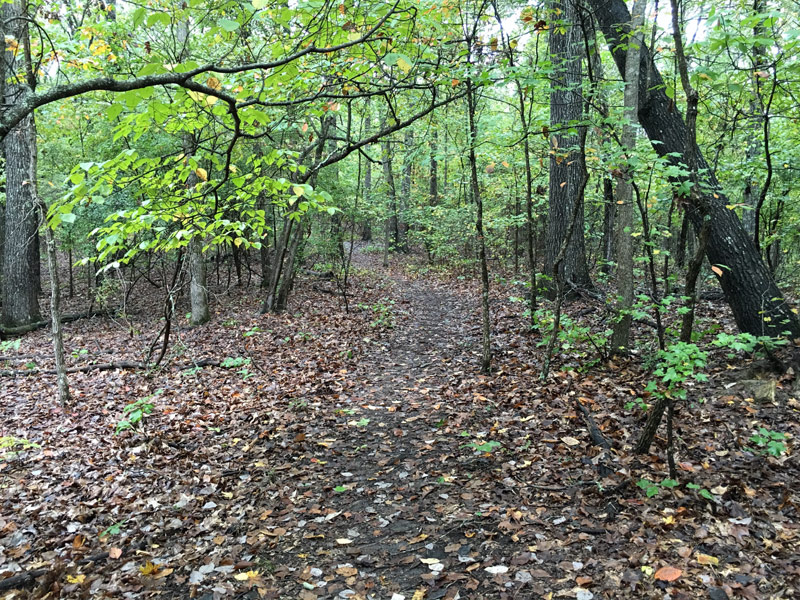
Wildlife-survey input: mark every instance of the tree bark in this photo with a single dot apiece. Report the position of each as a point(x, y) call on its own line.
point(486, 358)
point(620, 338)
point(392, 229)
point(55, 309)
point(20, 256)
point(756, 302)
point(566, 113)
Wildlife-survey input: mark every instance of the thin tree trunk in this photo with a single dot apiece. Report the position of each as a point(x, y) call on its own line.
point(55, 309)
point(620, 338)
point(486, 358)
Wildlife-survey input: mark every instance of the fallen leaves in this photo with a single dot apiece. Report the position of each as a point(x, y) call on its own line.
point(668, 574)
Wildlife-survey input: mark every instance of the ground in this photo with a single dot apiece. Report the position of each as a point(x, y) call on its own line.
point(362, 455)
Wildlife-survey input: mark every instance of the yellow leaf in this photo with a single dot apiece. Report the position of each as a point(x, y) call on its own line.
point(404, 65)
point(707, 559)
point(148, 569)
point(241, 577)
point(237, 242)
point(202, 98)
point(716, 270)
point(668, 574)
point(298, 190)
point(419, 594)
point(76, 579)
point(201, 173)
point(214, 83)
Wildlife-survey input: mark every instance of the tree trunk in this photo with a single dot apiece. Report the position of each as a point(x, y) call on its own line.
point(566, 111)
point(393, 231)
point(620, 338)
point(55, 309)
point(366, 234)
point(198, 290)
point(405, 186)
point(486, 359)
point(433, 177)
point(757, 304)
point(20, 256)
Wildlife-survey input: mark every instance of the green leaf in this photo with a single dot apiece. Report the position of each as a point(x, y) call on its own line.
point(150, 69)
point(68, 217)
point(113, 111)
point(259, 4)
point(229, 25)
point(138, 17)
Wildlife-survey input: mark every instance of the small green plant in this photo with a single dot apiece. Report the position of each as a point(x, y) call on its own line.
point(747, 343)
point(701, 491)
point(10, 345)
point(573, 336)
point(252, 331)
point(79, 353)
point(10, 446)
point(114, 529)
point(232, 362)
point(382, 313)
point(653, 488)
point(230, 323)
point(489, 446)
point(135, 412)
point(769, 442)
point(298, 405)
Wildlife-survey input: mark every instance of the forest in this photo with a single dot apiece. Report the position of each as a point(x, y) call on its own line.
point(434, 299)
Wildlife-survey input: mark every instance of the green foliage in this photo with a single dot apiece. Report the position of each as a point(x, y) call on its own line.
point(383, 316)
point(769, 442)
point(747, 342)
point(231, 362)
point(114, 529)
point(10, 345)
point(573, 336)
point(10, 446)
point(653, 488)
point(134, 413)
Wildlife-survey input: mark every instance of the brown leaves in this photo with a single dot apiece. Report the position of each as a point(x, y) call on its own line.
point(668, 574)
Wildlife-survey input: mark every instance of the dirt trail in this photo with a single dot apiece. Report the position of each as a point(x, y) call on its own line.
point(383, 512)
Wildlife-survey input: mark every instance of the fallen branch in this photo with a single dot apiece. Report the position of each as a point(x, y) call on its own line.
point(594, 431)
point(23, 329)
point(22, 580)
point(123, 364)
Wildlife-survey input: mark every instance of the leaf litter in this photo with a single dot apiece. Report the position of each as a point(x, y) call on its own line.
point(338, 459)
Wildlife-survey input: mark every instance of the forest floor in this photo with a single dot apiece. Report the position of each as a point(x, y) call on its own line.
point(362, 455)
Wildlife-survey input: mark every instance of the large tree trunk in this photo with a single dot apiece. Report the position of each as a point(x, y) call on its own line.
point(20, 256)
point(566, 111)
point(757, 304)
